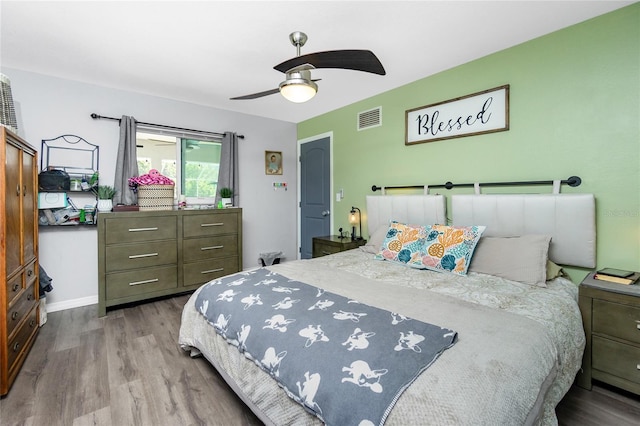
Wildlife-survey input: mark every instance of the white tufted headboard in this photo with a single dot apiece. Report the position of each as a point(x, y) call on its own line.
point(568, 218)
point(415, 209)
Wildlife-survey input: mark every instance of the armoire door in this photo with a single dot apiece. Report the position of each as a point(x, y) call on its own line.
point(12, 209)
point(29, 207)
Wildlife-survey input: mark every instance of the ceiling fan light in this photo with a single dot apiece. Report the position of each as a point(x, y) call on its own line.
point(298, 90)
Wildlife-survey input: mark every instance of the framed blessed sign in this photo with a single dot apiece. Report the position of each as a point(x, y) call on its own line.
point(475, 114)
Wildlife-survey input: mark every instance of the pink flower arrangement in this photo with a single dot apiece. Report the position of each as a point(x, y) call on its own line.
point(152, 178)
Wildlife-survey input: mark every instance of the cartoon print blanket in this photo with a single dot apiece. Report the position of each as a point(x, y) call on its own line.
point(344, 361)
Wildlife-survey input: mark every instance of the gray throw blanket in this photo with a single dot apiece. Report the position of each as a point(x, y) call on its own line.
point(344, 361)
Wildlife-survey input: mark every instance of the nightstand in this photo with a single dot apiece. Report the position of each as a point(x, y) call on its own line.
point(323, 246)
point(611, 318)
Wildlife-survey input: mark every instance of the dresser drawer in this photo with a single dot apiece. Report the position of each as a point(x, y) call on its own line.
point(30, 274)
point(17, 344)
point(618, 359)
point(131, 230)
point(17, 311)
point(209, 247)
point(206, 270)
point(140, 255)
point(140, 281)
point(14, 287)
point(616, 320)
point(210, 224)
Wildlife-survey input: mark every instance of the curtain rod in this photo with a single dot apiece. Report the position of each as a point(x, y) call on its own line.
point(573, 181)
point(100, 117)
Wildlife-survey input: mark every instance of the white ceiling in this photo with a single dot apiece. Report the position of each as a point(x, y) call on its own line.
point(205, 52)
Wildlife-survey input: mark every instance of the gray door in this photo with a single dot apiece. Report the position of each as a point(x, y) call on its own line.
point(315, 193)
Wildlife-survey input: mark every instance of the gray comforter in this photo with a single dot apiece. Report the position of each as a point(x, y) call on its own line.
point(518, 351)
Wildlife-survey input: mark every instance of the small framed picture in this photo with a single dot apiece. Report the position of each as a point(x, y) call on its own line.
point(273, 162)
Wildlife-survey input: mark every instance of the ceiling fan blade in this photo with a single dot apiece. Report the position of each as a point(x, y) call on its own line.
point(256, 95)
point(358, 60)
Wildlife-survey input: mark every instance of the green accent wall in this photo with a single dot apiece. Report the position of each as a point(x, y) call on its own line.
point(574, 110)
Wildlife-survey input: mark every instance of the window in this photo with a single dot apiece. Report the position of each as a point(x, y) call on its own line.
point(193, 164)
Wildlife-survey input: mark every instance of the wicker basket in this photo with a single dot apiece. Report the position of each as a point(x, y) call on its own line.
point(155, 197)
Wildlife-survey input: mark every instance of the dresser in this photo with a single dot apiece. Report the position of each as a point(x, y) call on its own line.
point(19, 249)
point(323, 246)
point(611, 318)
point(143, 255)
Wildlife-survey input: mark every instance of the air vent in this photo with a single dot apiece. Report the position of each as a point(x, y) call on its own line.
point(370, 118)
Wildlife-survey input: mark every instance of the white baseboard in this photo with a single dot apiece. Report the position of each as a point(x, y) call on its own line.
point(73, 303)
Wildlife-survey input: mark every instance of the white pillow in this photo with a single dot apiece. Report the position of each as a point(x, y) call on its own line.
point(375, 240)
point(522, 259)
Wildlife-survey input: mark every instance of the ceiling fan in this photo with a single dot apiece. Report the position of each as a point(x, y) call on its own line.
point(298, 85)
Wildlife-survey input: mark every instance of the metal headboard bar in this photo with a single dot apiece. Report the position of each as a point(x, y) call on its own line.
point(573, 181)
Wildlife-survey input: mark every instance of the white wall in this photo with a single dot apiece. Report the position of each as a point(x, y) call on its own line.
point(48, 107)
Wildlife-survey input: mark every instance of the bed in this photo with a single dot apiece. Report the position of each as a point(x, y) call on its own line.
point(518, 337)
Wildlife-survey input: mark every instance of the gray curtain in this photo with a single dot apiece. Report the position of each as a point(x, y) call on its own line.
point(228, 173)
point(126, 162)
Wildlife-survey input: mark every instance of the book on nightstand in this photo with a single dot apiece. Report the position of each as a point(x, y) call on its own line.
point(617, 276)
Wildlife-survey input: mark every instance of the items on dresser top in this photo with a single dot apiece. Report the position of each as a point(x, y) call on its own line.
point(142, 255)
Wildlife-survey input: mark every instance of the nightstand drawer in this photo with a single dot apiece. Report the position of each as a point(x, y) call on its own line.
point(131, 230)
point(617, 359)
point(210, 224)
point(140, 255)
point(616, 320)
point(210, 247)
point(206, 270)
point(140, 281)
point(320, 249)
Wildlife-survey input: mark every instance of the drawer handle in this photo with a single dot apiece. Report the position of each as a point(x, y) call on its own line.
point(212, 224)
point(32, 323)
point(15, 287)
point(29, 296)
point(211, 248)
point(143, 229)
point(212, 270)
point(14, 315)
point(138, 256)
point(16, 346)
point(18, 190)
point(29, 272)
point(145, 281)
point(326, 252)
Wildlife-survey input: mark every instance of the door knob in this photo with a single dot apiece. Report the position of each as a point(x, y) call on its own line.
point(326, 213)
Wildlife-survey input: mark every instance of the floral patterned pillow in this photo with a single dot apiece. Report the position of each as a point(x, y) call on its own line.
point(403, 243)
point(448, 248)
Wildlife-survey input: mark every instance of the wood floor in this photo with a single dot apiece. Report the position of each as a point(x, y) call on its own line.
point(127, 369)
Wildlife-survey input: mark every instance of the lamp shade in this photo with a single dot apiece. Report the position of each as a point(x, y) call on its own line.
point(298, 87)
point(298, 91)
point(353, 219)
point(7, 110)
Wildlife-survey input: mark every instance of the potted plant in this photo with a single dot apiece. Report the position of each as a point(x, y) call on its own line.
point(226, 194)
point(105, 195)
